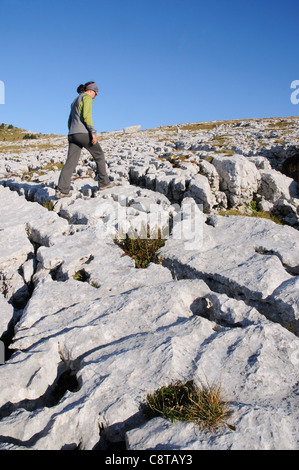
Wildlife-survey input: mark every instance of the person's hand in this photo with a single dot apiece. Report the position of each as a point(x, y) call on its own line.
point(94, 139)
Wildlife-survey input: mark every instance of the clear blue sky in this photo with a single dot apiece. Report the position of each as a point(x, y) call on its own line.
point(156, 62)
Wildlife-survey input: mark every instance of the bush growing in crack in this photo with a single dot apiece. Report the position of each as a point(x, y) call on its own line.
point(142, 250)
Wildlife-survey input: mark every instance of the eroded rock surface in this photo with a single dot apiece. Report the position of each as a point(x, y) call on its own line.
point(84, 351)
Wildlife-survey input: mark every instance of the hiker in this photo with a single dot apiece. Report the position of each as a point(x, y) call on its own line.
point(82, 134)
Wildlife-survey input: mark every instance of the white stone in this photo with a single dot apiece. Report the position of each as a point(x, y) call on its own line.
point(255, 429)
point(262, 163)
point(28, 270)
point(241, 256)
point(275, 185)
point(6, 314)
point(209, 170)
point(239, 178)
point(131, 129)
point(199, 189)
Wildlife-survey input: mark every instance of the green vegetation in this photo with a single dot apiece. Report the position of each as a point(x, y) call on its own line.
point(81, 276)
point(252, 211)
point(48, 205)
point(14, 139)
point(225, 152)
point(29, 136)
point(10, 133)
point(281, 124)
point(28, 175)
point(95, 284)
point(142, 249)
point(199, 126)
point(187, 402)
point(222, 144)
point(176, 160)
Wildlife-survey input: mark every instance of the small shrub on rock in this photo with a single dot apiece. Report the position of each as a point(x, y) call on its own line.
point(142, 250)
point(187, 402)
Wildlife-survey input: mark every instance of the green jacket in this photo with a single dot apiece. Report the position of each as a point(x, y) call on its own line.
point(80, 118)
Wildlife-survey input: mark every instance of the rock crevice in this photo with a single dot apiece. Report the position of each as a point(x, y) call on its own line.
point(222, 306)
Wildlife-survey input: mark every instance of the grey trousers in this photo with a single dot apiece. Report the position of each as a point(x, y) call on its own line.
point(76, 143)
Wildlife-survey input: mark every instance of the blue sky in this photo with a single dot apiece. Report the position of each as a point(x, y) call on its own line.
point(155, 62)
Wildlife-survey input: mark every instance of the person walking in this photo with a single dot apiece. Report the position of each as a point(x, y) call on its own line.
point(82, 135)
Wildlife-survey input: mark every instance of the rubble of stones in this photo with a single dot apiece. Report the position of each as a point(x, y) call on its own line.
point(81, 357)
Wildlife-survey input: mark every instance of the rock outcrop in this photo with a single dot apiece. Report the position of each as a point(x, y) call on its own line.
point(88, 336)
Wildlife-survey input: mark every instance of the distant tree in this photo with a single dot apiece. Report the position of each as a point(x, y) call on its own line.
point(29, 136)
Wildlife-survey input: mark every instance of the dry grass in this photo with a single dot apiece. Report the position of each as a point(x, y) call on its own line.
point(206, 126)
point(10, 133)
point(282, 124)
point(49, 205)
point(252, 211)
point(28, 175)
point(15, 139)
point(187, 402)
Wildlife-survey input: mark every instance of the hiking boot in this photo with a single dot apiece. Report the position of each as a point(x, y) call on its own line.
point(59, 194)
point(106, 186)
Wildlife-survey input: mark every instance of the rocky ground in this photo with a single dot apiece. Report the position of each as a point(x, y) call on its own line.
point(88, 336)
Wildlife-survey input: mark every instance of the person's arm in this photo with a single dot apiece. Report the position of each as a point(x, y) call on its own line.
point(69, 121)
point(87, 115)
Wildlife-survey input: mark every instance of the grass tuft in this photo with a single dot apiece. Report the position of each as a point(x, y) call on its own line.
point(187, 402)
point(49, 205)
point(252, 211)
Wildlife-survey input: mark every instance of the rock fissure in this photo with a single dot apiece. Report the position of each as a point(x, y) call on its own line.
point(221, 307)
point(222, 284)
point(293, 270)
point(65, 381)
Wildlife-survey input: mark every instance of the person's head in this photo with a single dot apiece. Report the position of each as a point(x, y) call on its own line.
point(90, 88)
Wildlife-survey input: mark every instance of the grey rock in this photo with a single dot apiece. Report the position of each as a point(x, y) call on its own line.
point(199, 189)
point(275, 186)
point(239, 178)
point(262, 163)
point(131, 129)
point(6, 314)
point(221, 308)
point(247, 258)
point(209, 170)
